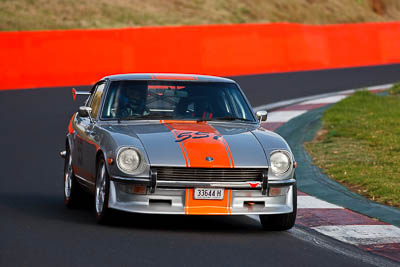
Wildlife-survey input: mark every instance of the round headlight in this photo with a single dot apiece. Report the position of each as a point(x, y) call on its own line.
point(280, 163)
point(128, 160)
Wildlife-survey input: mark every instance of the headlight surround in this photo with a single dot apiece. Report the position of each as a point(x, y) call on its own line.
point(130, 160)
point(280, 162)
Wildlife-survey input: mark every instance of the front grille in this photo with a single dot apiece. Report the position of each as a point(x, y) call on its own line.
point(208, 174)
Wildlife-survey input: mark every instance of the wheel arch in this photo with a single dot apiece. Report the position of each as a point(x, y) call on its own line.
point(68, 142)
point(101, 154)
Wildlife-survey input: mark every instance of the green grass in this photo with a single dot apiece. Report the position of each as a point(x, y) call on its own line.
point(395, 90)
point(359, 145)
point(66, 14)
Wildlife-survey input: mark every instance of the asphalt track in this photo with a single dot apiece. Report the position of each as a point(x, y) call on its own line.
point(264, 89)
point(36, 229)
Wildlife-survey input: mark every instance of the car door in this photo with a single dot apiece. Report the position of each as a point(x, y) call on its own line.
point(87, 141)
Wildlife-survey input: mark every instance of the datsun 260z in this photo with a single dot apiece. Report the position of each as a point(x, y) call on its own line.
point(177, 144)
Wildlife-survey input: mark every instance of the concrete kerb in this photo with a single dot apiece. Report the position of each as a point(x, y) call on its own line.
point(294, 101)
point(311, 180)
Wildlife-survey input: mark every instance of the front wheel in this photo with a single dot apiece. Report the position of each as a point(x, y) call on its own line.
point(72, 192)
point(102, 193)
point(281, 222)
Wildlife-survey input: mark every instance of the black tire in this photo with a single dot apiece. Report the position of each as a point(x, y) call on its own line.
point(281, 222)
point(103, 213)
point(73, 193)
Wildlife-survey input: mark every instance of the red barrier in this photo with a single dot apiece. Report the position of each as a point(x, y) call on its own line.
point(78, 57)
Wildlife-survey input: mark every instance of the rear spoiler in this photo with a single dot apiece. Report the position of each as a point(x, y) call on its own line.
point(75, 93)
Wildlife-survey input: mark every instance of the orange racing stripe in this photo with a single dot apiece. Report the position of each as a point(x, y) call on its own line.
point(182, 148)
point(200, 141)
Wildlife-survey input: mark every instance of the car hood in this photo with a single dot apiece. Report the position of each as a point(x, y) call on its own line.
point(200, 144)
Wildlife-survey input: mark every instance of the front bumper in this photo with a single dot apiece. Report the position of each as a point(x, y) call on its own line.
point(175, 200)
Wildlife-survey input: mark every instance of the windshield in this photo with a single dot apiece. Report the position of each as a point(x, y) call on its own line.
point(175, 100)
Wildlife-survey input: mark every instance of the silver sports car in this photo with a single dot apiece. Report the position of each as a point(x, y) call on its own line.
point(177, 144)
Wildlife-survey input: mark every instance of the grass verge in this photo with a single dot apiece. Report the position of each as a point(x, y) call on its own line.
point(359, 145)
point(66, 14)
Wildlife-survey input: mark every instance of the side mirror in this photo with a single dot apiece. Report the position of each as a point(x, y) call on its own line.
point(84, 111)
point(262, 115)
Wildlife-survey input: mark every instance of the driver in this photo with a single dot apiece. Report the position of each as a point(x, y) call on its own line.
point(132, 99)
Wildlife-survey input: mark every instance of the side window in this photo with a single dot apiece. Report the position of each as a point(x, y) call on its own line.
point(96, 99)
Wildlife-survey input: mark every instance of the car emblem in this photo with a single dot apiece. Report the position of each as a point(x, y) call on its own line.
point(209, 159)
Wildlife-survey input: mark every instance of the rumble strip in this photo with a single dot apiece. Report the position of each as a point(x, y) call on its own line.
point(331, 220)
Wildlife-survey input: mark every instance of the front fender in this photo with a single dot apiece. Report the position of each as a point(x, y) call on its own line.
point(271, 142)
point(111, 142)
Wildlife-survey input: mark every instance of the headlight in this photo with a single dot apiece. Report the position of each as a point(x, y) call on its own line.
point(129, 160)
point(280, 162)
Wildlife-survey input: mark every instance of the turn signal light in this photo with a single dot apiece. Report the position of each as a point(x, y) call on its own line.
point(277, 191)
point(139, 189)
point(133, 189)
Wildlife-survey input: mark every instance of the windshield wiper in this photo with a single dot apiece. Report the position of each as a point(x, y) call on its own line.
point(227, 118)
point(128, 118)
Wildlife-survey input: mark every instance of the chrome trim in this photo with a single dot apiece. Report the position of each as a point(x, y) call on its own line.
point(85, 111)
point(84, 180)
point(142, 162)
point(153, 180)
point(129, 179)
point(163, 183)
point(100, 194)
point(63, 154)
point(262, 115)
point(264, 186)
point(68, 172)
point(182, 184)
point(282, 182)
point(290, 157)
point(236, 167)
point(226, 175)
point(172, 201)
point(82, 92)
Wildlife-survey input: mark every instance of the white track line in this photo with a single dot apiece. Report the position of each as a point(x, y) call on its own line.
point(325, 100)
point(309, 202)
point(294, 101)
point(284, 116)
point(362, 234)
point(380, 87)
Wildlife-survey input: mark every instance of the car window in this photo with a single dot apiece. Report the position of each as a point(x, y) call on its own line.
point(96, 99)
point(177, 100)
point(89, 100)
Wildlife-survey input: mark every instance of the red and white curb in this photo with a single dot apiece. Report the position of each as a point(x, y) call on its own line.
point(328, 219)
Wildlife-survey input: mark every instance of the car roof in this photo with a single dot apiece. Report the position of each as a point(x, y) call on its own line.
point(167, 76)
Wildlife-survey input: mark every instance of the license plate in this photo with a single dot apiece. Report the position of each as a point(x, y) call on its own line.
point(208, 193)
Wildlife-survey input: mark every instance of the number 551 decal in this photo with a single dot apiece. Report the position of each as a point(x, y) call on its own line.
point(196, 135)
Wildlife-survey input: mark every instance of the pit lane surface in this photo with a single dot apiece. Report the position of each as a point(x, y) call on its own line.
point(36, 228)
